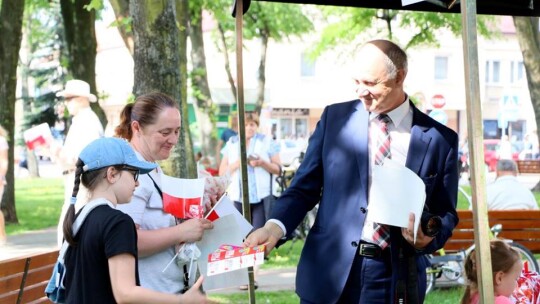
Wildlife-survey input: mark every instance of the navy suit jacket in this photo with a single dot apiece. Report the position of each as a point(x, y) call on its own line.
point(335, 173)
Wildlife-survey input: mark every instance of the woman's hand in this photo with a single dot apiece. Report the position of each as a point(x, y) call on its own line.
point(192, 230)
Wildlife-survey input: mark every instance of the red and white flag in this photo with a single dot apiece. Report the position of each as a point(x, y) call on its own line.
point(225, 206)
point(37, 136)
point(183, 197)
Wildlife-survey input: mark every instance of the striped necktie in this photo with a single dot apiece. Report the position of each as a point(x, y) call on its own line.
point(381, 233)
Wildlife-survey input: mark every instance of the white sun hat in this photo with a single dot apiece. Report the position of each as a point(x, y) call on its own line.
point(77, 87)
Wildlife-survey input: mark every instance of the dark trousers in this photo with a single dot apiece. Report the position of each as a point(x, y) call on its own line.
point(369, 280)
point(257, 214)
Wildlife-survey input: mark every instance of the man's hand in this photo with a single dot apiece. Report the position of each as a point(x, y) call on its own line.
point(270, 234)
point(422, 240)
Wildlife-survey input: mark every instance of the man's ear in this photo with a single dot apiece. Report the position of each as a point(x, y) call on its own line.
point(400, 77)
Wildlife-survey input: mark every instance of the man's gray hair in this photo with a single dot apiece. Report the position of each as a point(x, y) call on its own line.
point(396, 58)
point(507, 165)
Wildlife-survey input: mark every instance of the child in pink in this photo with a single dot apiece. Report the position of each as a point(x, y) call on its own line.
point(506, 267)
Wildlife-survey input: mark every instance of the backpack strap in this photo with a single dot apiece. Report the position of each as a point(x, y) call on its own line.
point(79, 220)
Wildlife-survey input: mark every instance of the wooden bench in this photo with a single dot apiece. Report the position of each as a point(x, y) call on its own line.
point(23, 279)
point(521, 226)
point(528, 166)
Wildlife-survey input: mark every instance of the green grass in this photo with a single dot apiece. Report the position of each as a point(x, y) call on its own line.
point(286, 256)
point(281, 297)
point(38, 202)
point(439, 296)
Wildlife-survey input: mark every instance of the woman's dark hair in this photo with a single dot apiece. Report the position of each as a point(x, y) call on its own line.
point(503, 258)
point(145, 110)
point(90, 180)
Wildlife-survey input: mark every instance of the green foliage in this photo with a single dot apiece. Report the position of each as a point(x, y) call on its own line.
point(44, 46)
point(38, 202)
point(124, 23)
point(276, 20)
point(94, 5)
point(351, 27)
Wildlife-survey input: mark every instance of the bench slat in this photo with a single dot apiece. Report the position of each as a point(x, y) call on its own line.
point(34, 292)
point(39, 271)
point(521, 226)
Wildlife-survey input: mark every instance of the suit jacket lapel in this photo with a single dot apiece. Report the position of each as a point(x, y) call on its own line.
point(361, 140)
point(420, 139)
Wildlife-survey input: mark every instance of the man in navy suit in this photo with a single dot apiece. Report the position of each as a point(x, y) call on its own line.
point(339, 262)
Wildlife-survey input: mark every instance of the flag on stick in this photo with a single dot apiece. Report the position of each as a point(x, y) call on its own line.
point(37, 136)
point(183, 197)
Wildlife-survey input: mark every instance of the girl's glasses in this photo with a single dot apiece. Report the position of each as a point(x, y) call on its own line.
point(133, 171)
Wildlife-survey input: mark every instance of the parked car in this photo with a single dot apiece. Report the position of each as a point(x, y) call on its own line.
point(491, 147)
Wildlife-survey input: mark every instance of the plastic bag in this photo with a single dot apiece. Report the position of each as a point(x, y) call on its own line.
point(528, 287)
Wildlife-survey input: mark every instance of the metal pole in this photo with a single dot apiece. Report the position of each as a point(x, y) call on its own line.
point(246, 208)
point(476, 152)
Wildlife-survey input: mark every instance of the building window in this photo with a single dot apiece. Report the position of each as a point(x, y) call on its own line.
point(307, 66)
point(441, 67)
point(493, 71)
point(517, 71)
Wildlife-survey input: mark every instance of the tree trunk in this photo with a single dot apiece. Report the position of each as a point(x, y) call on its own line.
point(11, 19)
point(121, 11)
point(262, 71)
point(158, 63)
point(225, 52)
point(205, 108)
point(529, 42)
point(79, 25)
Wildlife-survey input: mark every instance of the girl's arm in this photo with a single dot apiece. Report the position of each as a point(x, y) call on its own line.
point(122, 275)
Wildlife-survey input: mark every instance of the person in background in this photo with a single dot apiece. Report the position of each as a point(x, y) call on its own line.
point(225, 136)
point(506, 267)
point(263, 161)
point(506, 192)
point(152, 125)
point(505, 148)
point(101, 261)
point(346, 258)
point(4, 148)
point(85, 127)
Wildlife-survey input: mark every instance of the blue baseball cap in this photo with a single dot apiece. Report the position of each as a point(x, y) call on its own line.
point(112, 151)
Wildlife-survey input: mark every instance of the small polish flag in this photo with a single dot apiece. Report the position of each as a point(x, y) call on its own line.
point(182, 197)
point(37, 136)
point(225, 206)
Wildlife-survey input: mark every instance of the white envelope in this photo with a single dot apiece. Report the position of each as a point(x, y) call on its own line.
point(395, 192)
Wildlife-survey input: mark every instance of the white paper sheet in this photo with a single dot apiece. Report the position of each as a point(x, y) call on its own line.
point(225, 232)
point(395, 192)
point(407, 2)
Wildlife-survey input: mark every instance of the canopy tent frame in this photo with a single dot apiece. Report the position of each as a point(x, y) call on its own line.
point(468, 10)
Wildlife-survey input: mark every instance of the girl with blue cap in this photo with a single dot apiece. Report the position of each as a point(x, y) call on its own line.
point(101, 262)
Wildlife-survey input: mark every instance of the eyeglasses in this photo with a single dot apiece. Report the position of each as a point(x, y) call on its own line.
point(133, 171)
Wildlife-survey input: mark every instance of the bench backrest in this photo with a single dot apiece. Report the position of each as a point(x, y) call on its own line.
point(23, 279)
point(528, 166)
point(521, 226)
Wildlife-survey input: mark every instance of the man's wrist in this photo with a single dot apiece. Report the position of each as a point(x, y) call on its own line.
point(274, 230)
